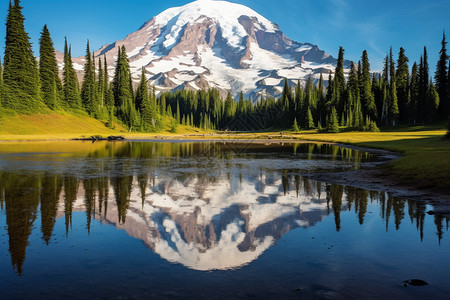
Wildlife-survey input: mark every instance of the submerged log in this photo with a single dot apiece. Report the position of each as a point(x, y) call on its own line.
point(99, 138)
point(115, 137)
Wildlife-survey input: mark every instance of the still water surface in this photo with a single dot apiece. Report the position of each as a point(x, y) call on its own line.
point(208, 220)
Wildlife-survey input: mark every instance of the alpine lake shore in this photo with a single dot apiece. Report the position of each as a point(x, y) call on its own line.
point(417, 164)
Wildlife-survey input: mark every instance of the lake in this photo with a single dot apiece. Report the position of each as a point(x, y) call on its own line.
point(209, 220)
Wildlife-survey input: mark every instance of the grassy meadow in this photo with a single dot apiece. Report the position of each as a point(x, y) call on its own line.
point(425, 162)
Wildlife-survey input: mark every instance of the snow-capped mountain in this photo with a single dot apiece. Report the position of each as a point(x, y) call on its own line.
point(219, 44)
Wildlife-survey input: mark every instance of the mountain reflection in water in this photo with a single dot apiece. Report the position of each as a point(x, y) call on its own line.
point(207, 206)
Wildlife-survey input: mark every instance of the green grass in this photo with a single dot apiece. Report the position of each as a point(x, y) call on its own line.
point(426, 153)
point(425, 162)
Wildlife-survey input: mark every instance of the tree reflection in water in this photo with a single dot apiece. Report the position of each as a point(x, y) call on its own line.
point(204, 205)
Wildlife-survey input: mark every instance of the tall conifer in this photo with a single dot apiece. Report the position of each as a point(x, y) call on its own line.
point(441, 80)
point(72, 98)
point(142, 93)
point(414, 94)
point(339, 82)
point(48, 70)
point(20, 73)
point(123, 94)
point(367, 98)
point(89, 90)
point(100, 85)
point(402, 82)
point(423, 86)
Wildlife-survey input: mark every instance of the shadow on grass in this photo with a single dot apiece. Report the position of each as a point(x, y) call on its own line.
point(425, 162)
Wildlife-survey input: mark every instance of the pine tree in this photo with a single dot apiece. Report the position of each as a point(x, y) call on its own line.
point(393, 108)
point(286, 96)
point(177, 116)
point(357, 113)
point(162, 105)
point(72, 98)
point(89, 91)
point(147, 105)
point(367, 98)
point(309, 119)
point(48, 70)
point(339, 81)
point(432, 103)
point(108, 93)
point(295, 126)
point(100, 85)
point(123, 94)
point(20, 71)
point(414, 94)
point(320, 100)
point(423, 86)
point(441, 80)
point(142, 92)
point(333, 125)
point(402, 83)
point(240, 105)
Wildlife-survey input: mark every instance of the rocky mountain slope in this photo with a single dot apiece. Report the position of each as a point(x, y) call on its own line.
point(218, 44)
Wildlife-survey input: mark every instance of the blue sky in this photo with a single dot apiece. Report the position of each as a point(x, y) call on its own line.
point(353, 24)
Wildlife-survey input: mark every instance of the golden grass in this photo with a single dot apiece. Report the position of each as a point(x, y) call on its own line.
point(65, 126)
point(426, 153)
point(425, 163)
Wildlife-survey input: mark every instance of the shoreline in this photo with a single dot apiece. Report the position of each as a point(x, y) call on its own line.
point(372, 177)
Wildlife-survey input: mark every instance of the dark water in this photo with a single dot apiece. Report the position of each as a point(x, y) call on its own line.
point(208, 221)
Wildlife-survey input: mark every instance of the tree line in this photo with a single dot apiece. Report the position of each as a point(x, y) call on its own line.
point(363, 101)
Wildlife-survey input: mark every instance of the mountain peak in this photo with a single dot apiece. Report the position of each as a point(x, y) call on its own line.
point(218, 44)
point(224, 13)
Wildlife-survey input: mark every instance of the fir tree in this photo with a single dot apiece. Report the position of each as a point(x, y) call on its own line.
point(108, 93)
point(240, 106)
point(100, 84)
point(441, 80)
point(309, 119)
point(162, 105)
point(414, 94)
point(367, 98)
point(320, 100)
point(295, 126)
point(123, 94)
point(333, 125)
point(148, 110)
point(393, 108)
point(339, 81)
point(72, 98)
point(142, 92)
point(20, 71)
point(357, 113)
point(89, 91)
point(286, 96)
point(402, 84)
point(432, 103)
point(177, 116)
point(423, 86)
point(48, 70)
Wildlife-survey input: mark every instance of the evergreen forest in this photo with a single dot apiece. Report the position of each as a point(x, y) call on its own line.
point(404, 93)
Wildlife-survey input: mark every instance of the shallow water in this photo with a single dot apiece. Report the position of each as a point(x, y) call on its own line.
point(208, 220)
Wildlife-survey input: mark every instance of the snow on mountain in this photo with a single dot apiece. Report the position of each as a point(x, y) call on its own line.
point(218, 44)
point(211, 226)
